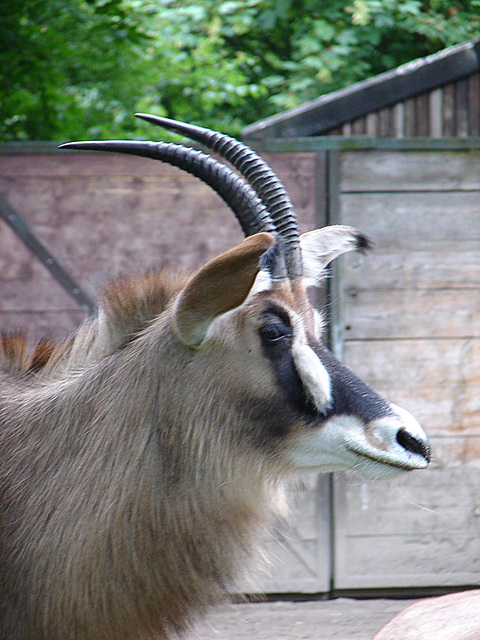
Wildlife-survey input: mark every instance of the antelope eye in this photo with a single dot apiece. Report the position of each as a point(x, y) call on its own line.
point(275, 331)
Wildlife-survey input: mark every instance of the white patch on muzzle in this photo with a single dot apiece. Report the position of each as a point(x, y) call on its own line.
point(409, 422)
point(313, 375)
point(379, 442)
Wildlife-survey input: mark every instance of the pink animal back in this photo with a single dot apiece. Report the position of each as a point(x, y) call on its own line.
point(452, 617)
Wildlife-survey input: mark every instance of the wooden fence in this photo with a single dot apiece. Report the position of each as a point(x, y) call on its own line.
point(103, 215)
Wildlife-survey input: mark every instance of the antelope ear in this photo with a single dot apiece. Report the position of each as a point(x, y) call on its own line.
point(321, 246)
point(221, 285)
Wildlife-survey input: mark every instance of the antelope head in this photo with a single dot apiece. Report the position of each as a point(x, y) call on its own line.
point(243, 325)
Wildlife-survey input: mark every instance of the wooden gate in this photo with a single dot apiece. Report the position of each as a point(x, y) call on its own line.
point(407, 320)
point(411, 327)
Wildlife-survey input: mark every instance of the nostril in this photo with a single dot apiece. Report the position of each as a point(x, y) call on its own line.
point(413, 444)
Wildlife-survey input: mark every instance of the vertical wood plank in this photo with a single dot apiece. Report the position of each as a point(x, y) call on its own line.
point(399, 120)
point(320, 169)
point(461, 99)
point(358, 127)
point(385, 122)
point(449, 110)
point(421, 115)
point(371, 126)
point(474, 104)
point(318, 296)
point(347, 129)
point(409, 107)
point(334, 286)
point(435, 114)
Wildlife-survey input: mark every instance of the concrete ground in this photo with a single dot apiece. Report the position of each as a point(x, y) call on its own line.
point(341, 619)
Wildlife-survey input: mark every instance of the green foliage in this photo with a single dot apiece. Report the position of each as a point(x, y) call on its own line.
point(69, 65)
point(81, 68)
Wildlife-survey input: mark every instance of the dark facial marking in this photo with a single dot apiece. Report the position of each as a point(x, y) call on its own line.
point(350, 395)
point(276, 335)
point(267, 422)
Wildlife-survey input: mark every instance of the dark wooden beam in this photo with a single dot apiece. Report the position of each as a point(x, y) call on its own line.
point(20, 228)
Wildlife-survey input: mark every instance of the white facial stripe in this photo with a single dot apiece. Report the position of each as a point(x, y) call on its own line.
point(317, 324)
point(313, 375)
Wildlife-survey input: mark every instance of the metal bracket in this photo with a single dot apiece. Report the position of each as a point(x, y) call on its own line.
point(21, 229)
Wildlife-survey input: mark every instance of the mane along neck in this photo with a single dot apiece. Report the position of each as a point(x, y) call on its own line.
point(126, 306)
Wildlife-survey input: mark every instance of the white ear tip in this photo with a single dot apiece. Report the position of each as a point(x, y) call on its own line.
point(321, 246)
point(339, 237)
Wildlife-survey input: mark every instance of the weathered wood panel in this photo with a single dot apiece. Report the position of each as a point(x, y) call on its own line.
point(474, 109)
point(402, 313)
point(19, 266)
point(412, 308)
point(105, 214)
point(422, 268)
point(298, 558)
point(390, 171)
point(411, 328)
point(418, 222)
point(426, 254)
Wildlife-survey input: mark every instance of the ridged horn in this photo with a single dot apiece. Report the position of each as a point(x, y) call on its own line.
point(237, 194)
point(257, 172)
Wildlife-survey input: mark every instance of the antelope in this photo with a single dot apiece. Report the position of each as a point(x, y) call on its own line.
point(144, 458)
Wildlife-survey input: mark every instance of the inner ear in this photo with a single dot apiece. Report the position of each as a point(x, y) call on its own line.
point(221, 285)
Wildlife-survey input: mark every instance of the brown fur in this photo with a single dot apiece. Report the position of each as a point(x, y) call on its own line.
point(17, 358)
point(126, 505)
point(13, 353)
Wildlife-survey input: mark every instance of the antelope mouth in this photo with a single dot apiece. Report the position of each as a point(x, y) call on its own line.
point(405, 462)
